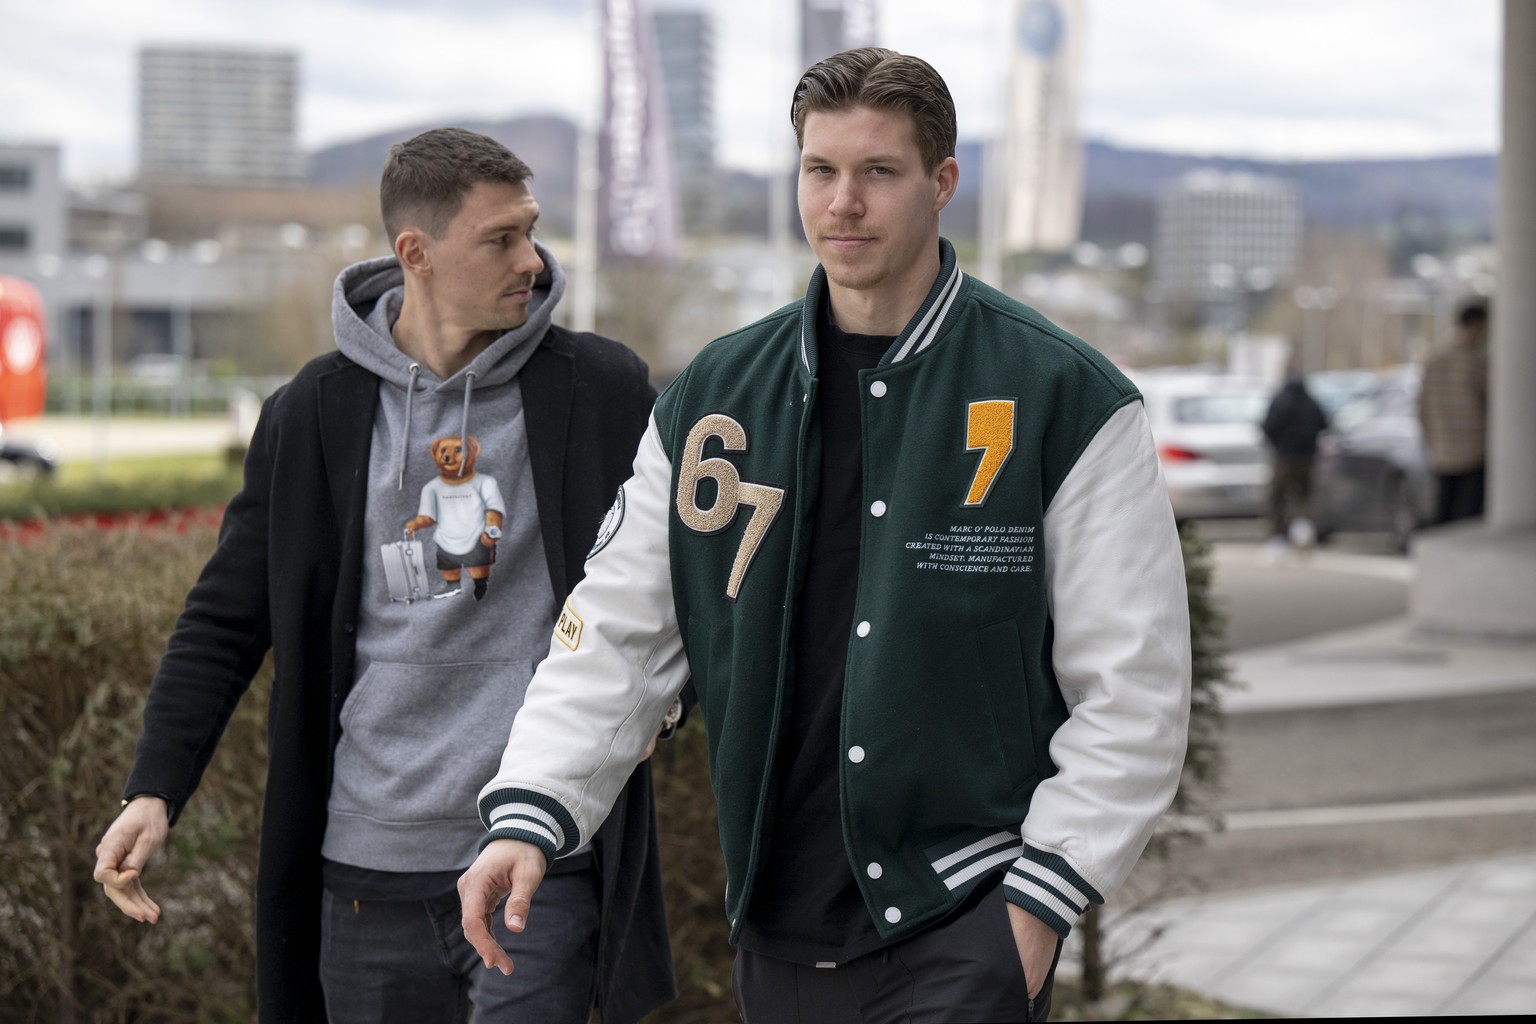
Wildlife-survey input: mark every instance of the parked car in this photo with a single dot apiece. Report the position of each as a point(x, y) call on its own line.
point(1371, 473)
point(1206, 428)
point(1334, 389)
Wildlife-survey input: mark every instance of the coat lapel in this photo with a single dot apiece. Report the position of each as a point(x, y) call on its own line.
point(546, 383)
point(348, 398)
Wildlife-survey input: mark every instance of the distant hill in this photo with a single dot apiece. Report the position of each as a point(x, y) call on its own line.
point(1454, 193)
point(1434, 196)
point(545, 142)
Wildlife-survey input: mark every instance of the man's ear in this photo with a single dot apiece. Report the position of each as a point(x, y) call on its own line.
point(411, 251)
point(948, 176)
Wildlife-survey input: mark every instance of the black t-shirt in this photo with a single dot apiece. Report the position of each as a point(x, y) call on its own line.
point(806, 906)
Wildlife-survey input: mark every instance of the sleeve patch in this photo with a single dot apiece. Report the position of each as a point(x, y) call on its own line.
point(568, 628)
point(611, 523)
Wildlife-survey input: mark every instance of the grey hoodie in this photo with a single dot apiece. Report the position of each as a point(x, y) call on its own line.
point(439, 678)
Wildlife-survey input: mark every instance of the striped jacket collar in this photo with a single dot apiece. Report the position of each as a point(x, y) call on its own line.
point(925, 327)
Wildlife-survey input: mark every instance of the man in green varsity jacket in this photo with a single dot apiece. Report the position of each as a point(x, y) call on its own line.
point(911, 542)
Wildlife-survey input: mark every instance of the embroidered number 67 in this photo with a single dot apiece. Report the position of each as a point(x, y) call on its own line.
point(731, 492)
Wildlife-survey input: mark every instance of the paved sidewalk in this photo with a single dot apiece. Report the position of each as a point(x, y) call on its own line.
point(82, 438)
point(1454, 939)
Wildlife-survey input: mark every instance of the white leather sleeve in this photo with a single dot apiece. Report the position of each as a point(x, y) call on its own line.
point(1115, 580)
point(615, 664)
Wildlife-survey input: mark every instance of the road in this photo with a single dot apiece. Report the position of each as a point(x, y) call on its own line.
point(1347, 791)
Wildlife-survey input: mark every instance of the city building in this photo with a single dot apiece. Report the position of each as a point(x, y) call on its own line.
point(1222, 242)
point(33, 223)
point(175, 277)
point(832, 26)
point(685, 48)
point(219, 115)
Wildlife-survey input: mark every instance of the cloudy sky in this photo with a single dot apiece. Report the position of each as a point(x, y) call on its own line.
point(1292, 79)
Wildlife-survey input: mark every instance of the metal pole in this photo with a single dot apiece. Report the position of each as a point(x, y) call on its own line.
point(101, 356)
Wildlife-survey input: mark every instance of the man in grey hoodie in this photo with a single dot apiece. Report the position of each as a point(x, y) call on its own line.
point(454, 423)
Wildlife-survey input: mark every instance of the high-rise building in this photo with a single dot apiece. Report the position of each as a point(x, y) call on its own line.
point(832, 26)
point(1223, 239)
point(685, 47)
point(219, 115)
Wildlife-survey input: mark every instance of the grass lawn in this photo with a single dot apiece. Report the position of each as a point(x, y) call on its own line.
point(123, 485)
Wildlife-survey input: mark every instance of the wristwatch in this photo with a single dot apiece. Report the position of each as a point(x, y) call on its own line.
point(493, 532)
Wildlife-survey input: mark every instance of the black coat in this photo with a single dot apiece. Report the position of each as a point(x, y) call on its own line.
point(1294, 420)
point(287, 575)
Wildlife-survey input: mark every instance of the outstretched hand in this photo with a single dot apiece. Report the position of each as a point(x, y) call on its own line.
point(505, 868)
point(121, 855)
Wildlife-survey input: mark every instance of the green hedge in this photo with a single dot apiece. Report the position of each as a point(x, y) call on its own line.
point(86, 613)
point(45, 499)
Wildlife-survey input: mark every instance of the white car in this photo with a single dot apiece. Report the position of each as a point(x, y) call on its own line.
point(1206, 428)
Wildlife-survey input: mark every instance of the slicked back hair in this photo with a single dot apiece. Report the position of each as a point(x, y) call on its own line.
point(426, 178)
point(884, 80)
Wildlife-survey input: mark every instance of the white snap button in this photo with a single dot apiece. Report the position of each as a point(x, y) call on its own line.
point(877, 389)
point(892, 914)
point(863, 629)
point(877, 509)
point(875, 870)
point(856, 754)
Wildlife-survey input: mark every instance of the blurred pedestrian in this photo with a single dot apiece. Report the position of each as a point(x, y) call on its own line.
point(912, 543)
point(1291, 425)
point(1453, 412)
point(453, 408)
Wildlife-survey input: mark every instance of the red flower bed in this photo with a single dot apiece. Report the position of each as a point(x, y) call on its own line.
point(179, 520)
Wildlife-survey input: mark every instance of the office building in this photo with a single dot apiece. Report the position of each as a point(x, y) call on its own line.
point(685, 48)
point(1223, 240)
point(219, 115)
point(832, 26)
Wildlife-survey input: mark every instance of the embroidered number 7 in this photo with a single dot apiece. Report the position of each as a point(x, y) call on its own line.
point(989, 430)
point(731, 492)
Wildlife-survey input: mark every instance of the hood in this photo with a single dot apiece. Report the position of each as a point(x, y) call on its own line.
point(365, 303)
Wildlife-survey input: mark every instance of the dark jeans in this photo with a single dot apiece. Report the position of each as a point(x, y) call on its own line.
point(408, 961)
point(965, 968)
point(1290, 492)
point(1461, 495)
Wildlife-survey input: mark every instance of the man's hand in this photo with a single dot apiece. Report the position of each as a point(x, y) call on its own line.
point(122, 853)
point(504, 866)
point(1037, 946)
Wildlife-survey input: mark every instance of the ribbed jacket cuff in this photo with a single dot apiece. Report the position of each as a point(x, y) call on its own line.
point(531, 817)
point(1047, 886)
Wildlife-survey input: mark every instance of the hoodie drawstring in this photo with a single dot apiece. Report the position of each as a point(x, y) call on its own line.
point(469, 382)
point(405, 435)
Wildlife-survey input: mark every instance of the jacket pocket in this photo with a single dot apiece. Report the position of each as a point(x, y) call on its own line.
point(1006, 685)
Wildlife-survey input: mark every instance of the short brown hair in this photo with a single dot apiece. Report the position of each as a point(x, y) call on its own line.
point(885, 80)
point(426, 178)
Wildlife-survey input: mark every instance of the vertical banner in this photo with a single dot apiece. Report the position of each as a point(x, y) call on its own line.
point(637, 201)
point(22, 382)
point(1042, 171)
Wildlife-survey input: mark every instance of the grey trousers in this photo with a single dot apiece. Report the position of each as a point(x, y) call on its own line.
point(408, 961)
point(963, 969)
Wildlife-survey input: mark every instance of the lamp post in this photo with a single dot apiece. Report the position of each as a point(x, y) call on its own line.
point(1315, 302)
point(100, 268)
